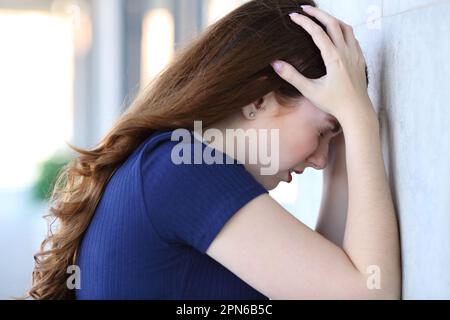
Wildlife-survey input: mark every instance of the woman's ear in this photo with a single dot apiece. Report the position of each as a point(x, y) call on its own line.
point(250, 111)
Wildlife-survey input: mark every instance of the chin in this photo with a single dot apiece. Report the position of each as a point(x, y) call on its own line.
point(271, 185)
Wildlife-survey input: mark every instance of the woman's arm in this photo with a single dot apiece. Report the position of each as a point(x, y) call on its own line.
point(334, 204)
point(371, 236)
point(279, 256)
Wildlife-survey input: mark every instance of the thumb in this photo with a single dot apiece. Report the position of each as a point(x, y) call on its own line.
point(290, 74)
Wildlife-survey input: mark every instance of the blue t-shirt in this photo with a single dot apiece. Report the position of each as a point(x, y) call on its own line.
point(154, 223)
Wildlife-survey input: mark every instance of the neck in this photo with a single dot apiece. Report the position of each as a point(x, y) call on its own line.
point(232, 144)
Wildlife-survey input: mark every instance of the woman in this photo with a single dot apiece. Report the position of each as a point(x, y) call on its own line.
point(137, 225)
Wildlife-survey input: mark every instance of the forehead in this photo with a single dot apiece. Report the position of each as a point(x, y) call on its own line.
point(309, 108)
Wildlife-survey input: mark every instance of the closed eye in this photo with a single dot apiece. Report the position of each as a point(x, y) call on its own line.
point(335, 130)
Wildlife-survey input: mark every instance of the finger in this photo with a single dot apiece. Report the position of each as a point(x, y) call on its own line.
point(288, 73)
point(332, 24)
point(319, 36)
point(350, 38)
point(349, 35)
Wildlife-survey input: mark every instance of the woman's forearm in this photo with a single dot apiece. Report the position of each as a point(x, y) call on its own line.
point(371, 238)
point(334, 204)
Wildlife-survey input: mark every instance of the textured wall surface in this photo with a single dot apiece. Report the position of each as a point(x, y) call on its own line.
point(407, 49)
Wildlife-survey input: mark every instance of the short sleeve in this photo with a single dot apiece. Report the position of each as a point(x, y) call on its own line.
point(190, 203)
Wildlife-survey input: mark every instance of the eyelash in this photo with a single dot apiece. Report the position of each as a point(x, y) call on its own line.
point(337, 129)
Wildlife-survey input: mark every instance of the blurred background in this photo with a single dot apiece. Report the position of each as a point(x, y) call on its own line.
point(69, 68)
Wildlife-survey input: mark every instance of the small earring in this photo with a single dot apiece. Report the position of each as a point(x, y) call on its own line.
point(252, 114)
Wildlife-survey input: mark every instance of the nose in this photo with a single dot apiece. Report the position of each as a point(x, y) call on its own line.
point(318, 162)
point(318, 166)
point(319, 159)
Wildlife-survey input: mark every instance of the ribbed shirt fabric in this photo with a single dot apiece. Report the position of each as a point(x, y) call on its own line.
point(156, 219)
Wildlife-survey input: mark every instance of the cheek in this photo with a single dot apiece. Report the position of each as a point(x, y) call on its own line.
point(298, 141)
point(295, 150)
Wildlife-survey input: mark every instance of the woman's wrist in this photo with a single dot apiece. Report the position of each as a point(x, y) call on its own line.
point(359, 114)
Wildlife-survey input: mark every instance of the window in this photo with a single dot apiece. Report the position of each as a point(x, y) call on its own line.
point(158, 38)
point(216, 9)
point(36, 104)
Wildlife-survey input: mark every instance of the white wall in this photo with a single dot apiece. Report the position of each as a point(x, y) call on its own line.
point(407, 49)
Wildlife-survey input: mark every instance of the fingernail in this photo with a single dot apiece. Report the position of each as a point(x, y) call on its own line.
point(277, 65)
point(293, 14)
point(306, 7)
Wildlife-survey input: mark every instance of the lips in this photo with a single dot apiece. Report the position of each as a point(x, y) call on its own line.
point(289, 175)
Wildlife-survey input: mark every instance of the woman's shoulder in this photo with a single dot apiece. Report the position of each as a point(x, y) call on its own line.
point(182, 148)
point(189, 199)
point(179, 159)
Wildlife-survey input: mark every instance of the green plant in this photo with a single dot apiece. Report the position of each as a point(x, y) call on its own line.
point(48, 172)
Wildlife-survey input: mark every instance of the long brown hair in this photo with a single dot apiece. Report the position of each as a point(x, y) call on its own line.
point(219, 72)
